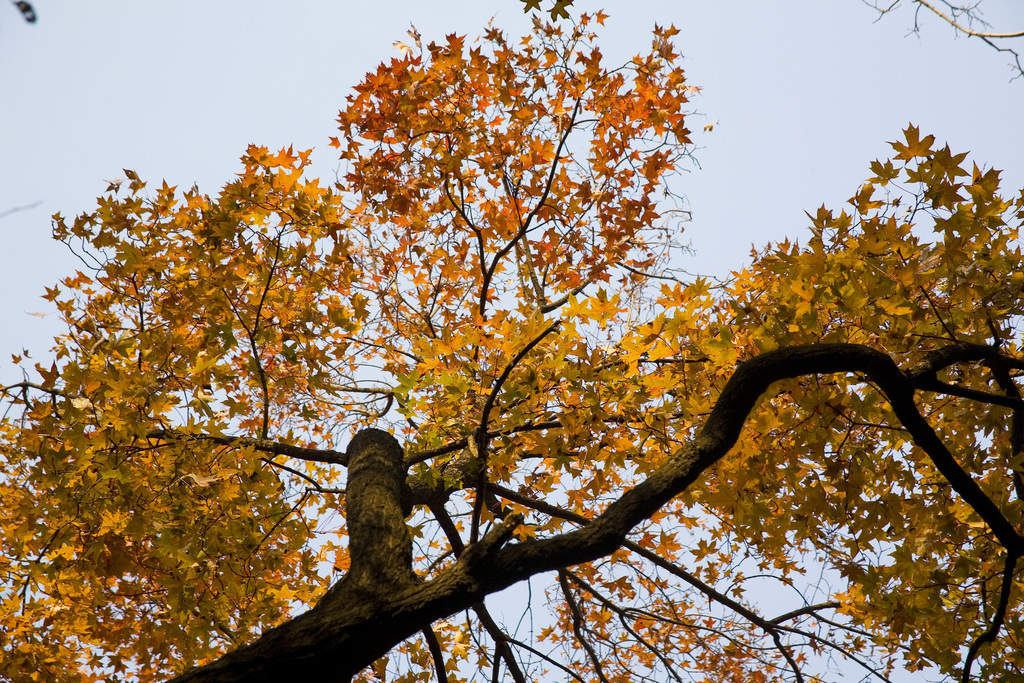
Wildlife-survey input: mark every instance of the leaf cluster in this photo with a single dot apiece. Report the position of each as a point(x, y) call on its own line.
point(492, 279)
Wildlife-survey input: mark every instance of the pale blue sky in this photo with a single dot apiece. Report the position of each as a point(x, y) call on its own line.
point(804, 93)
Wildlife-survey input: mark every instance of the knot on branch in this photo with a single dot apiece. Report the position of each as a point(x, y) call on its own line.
point(487, 547)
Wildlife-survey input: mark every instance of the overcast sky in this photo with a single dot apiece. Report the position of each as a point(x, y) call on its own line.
point(804, 94)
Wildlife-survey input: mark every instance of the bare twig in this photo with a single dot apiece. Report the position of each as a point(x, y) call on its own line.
point(994, 39)
point(25, 207)
point(963, 29)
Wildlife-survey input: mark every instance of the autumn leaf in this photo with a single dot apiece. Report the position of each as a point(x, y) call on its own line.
point(472, 360)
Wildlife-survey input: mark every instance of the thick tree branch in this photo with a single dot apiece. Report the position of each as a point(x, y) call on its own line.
point(379, 543)
point(340, 637)
point(750, 380)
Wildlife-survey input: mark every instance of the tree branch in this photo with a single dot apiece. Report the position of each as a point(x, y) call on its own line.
point(998, 618)
point(435, 653)
point(577, 626)
point(480, 436)
point(622, 614)
point(378, 540)
point(324, 455)
point(340, 637)
point(963, 29)
point(500, 642)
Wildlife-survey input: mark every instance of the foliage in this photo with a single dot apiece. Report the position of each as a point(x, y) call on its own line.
point(491, 280)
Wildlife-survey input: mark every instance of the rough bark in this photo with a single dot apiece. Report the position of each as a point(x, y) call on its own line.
point(380, 547)
point(380, 603)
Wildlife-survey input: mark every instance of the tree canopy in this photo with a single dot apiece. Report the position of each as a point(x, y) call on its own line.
point(305, 428)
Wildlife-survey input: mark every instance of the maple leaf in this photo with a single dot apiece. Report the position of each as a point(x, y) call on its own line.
point(473, 361)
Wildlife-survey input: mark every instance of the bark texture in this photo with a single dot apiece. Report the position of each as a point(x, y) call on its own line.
point(380, 549)
point(380, 603)
point(379, 543)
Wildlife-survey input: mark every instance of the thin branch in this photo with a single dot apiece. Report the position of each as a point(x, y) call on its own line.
point(623, 619)
point(577, 626)
point(1006, 383)
point(480, 441)
point(963, 29)
point(769, 627)
point(435, 653)
point(273, 529)
point(555, 305)
point(803, 611)
point(461, 211)
point(935, 310)
point(381, 393)
point(988, 37)
point(940, 387)
point(553, 662)
point(998, 618)
point(316, 485)
point(841, 650)
point(444, 520)
point(525, 225)
point(500, 642)
point(324, 455)
point(509, 367)
point(461, 444)
point(38, 387)
point(554, 167)
point(641, 273)
point(252, 340)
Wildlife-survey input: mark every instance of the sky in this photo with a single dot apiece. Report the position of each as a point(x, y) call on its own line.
point(804, 94)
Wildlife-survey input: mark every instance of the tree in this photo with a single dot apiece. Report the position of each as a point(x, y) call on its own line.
point(483, 311)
